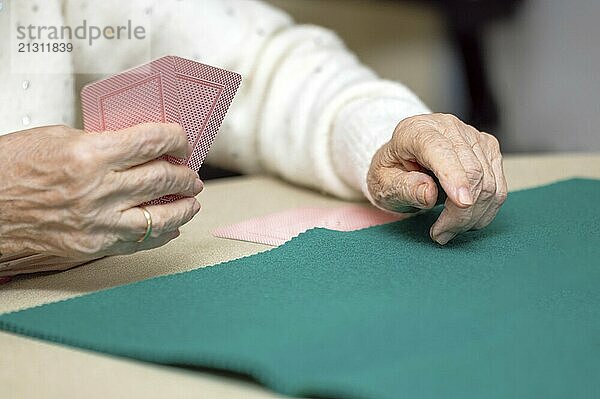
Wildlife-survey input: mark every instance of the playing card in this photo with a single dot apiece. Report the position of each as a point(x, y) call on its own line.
point(277, 228)
point(170, 89)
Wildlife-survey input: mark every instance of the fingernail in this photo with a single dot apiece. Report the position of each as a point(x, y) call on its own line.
point(422, 194)
point(198, 186)
point(443, 238)
point(464, 196)
point(196, 207)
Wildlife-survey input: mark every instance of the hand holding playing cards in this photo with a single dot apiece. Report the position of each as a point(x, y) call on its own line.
point(67, 193)
point(467, 163)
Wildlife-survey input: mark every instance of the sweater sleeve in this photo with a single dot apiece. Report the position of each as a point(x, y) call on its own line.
point(307, 111)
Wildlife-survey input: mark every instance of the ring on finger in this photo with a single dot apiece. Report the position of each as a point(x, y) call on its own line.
point(148, 217)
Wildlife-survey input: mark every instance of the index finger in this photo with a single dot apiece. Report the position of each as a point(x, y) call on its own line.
point(435, 152)
point(142, 143)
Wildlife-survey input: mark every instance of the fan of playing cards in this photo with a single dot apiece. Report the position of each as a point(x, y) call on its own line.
point(170, 89)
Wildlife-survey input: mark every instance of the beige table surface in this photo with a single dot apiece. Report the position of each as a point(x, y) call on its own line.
point(35, 369)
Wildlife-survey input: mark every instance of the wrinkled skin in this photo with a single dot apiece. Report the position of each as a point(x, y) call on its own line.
point(75, 195)
point(467, 163)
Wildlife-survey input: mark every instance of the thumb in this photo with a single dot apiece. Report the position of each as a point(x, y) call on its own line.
point(401, 191)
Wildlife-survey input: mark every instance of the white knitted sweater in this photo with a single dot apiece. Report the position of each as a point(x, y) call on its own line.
point(307, 111)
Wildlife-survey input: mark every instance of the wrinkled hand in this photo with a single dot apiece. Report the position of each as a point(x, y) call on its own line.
point(70, 194)
point(467, 163)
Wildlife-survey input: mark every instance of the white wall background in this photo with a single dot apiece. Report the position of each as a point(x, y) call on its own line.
point(545, 63)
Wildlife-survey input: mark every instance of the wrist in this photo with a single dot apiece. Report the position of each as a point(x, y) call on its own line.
point(362, 127)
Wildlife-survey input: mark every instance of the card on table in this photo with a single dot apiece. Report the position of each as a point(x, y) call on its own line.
point(278, 228)
point(170, 89)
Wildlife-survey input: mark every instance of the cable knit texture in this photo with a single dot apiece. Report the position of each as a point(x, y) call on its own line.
point(307, 111)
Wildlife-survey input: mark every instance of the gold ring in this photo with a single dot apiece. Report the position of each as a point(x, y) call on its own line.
point(148, 217)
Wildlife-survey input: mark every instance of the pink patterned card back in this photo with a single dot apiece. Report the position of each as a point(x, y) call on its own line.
point(275, 229)
point(170, 89)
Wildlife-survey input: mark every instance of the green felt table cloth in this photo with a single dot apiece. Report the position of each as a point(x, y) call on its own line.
point(509, 311)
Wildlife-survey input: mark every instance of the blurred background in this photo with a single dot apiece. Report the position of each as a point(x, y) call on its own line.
point(525, 70)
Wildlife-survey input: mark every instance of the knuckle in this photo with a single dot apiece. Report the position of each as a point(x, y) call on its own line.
point(187, 178)
point(410, 125)
point(138, 228)
point(157, 184)
point(149, 141)
point(179, 217)
point(81, 152)
point(488, 189)
point(177, 133)
point(474, 174)
point(87, 245)
point(102, 142)
point(151, 145)
point(180, 132)
point(449, 118)
point(501, 196)
point(448, 124)
point(419, 141)
point(461, 219)
point(401, 130)
point(184, 211)
point(85, 216)
point(430, 145)
point(492, 140)
point(161, 174)
point(174, 217)
point(473, 136)
point(79, 219)
point(393, 157)
point(189, 213)
point(421, 132)
point(406, 123)
point(159, 223)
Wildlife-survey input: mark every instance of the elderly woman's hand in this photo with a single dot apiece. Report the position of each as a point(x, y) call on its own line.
point(467, 163)
point(74, 195)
